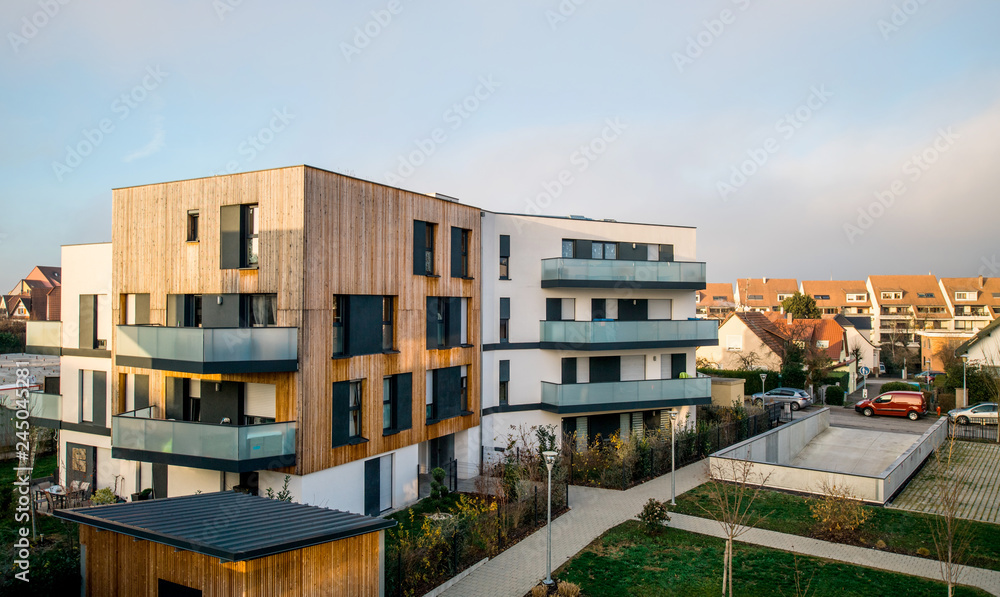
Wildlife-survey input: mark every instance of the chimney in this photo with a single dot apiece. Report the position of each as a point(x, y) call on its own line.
point(765, 280)
point(980, 280)
point(788, 318)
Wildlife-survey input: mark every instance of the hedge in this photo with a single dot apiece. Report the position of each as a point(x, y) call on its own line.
point(752, 378)
point(840, 378)
point(834, 396)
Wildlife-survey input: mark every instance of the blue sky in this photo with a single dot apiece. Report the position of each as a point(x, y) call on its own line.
point(694, 92)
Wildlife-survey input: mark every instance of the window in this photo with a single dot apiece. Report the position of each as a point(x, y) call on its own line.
point(239, 236)
point(821, 297)
point(460, 243)
point(354, 410)
point(388, 421)
point(259, 310)
point(251, 235)
point(387, 329)
point(857, 298)
point(505, 256)
point(447, 322)
point(444, 393)
point(822, 344)
point(502, 395)
point(720, 298)
point(463, 401)
point(423, 248)
point(604, 250)
point(192, 226)
point(504, 320)
point(965, 296)
point(89, 323)
point(93, 397)
point(925, 295)
point(892, 296)
point(782, 297)
point(567, 249)
point(339, 335)
point(734, 343)
point(755, 297)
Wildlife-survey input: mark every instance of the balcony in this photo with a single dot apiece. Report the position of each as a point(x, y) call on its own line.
point(609, 273)
point(622, 395)
point(138, 435)
point(614, 335)
point(43, 337)
point(44, 410)
point(207, 350)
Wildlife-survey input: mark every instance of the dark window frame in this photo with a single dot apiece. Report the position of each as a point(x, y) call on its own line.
point(463, 400)
point(388, 323)
point(192, 225)
point(250, 233)
point(505, 257)
point(339, 329)
point(355, 412)
point(388, 404)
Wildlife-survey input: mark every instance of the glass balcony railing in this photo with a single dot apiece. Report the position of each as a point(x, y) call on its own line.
point(601, 273)
point(43, 337)
point(581, 396)
point(233, 448)
point(44, 409)
point(207, 350)
point(590, 335)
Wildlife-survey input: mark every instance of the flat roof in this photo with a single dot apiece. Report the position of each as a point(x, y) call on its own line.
point(228, 525)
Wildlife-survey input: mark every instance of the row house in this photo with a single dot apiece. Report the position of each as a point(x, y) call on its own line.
point(716, 301)
point(838, 297)
point(763, 295)
point(973, 302)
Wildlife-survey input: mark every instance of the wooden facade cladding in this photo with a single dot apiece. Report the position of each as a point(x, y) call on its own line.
point(321, 234)
point(119, 566)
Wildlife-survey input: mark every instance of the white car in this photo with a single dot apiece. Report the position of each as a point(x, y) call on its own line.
point(797, 398)
point(984, 413)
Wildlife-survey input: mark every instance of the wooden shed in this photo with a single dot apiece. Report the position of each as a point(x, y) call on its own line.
point(228, 543)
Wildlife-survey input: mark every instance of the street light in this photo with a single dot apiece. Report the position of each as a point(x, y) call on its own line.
point(673, 462)
point(550, 459)
point(965, 390)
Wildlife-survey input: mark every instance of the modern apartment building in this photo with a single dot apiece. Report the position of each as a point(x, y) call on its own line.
point(293, 322)
point(589, 326)
point(973, 302)
point(716, 301)
point(763, 294)
point(838, 297)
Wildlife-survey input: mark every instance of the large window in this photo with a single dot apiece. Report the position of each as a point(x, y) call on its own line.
point(259, 310)
point(362, 324)
point(604, 250)
point(423, 248)
point(239, 236)
point(348, 413)
point(397, 400)
point(444, 393)
point(447, 322)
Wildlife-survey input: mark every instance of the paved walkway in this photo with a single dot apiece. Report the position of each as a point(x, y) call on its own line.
point(515, 571)
point(977, 465)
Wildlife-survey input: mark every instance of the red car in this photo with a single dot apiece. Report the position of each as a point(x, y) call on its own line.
point(897, 404)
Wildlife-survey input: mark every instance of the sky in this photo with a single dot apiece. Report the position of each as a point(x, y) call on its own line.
point(808, 140)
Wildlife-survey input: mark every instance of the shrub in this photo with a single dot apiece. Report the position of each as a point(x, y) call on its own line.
point(923, 551)
point(103, 496)
point(438, 489)
point(834, 396)
point(539, 591)
point(285, 495)
point(568, 589)
point(838, 514)
point(880, 544)
point(897, 386)
point(654, 514)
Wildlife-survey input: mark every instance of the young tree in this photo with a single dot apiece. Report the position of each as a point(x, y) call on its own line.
point(731, 493)
point(801, 306)
point(747, 361)
point(951, 535)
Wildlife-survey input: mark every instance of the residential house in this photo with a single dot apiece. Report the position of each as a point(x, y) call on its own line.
point(763, 294)
point(973, 302)
point(857, 330)
point(838, 297)
point(984, 347)
point(39, 295)
point(589, 326)
point(716, 301)
point(747, 340)
point(904, 305)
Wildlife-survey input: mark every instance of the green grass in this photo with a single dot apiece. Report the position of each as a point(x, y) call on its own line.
point(902, 531)
point(627, 560)
point(44, 525)
point(425, 506)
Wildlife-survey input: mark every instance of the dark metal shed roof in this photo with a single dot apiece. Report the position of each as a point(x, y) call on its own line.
point(228, 525)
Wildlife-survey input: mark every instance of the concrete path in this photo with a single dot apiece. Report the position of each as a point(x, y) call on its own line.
point(978, 467)
point(593, 511)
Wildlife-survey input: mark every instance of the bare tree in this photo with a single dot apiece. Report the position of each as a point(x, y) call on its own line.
point(951, 535)
point(747, 361)
point(731, 494)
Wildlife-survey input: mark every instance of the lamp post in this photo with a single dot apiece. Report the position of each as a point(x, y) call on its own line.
point(550, 458)
point(673, 462)
point(763, 388)
point(965, 389)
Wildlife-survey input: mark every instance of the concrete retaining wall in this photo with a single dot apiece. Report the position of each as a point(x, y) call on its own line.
point(772, 451)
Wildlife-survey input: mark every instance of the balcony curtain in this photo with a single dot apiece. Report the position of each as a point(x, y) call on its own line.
point(265, 310)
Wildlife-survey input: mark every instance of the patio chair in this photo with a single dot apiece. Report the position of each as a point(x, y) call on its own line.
point(39, 494)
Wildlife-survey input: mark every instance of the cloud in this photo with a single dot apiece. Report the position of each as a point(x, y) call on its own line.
point(155, 144)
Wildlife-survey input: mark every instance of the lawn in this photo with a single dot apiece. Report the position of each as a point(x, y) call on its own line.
point(627, 560)
point(45, 525)
point(903, 532)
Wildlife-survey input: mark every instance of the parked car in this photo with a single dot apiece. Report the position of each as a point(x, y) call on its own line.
point(897, 404)
point(927, 376)
point(984, 413)
point(881, 368)
point(797, 398)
